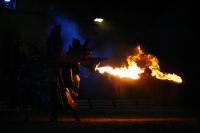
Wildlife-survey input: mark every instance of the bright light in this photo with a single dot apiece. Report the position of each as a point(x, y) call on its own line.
point(7, 0)
point(99, 20)
point(137, 63)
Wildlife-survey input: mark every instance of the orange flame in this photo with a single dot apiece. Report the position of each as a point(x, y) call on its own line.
point(137, 63)
point(132, 71)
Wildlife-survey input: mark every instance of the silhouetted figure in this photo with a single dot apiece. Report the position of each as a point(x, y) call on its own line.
point(70, 76)
point(77, 55)
point(54, 57)
point(55, 44)
point(66, 70)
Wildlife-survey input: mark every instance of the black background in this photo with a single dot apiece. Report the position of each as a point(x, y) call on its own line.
point(166, 29)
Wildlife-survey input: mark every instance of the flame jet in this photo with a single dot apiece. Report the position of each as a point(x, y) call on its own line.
point(137, 64)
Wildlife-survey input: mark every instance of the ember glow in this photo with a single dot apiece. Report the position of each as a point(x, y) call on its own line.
point(138, 62)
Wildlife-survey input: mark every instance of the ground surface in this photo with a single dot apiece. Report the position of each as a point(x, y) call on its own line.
point(101, 121)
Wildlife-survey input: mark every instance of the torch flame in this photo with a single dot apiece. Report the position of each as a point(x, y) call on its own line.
point(137, 63)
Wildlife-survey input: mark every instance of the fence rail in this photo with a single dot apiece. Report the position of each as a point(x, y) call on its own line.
point(88, 104)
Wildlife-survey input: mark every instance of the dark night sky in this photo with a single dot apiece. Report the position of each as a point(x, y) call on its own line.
point(166, 29)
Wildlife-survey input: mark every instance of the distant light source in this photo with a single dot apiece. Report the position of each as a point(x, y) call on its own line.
point(9, 4)
point(98, 20)
point(7, 0)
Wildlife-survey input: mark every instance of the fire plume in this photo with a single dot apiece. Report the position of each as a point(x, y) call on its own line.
point(138, 62)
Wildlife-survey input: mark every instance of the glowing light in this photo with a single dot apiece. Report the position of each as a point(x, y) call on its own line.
point(132, 71)
point(7, 0)
point(99, 20)
point(137, 63)
point(70, 30)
